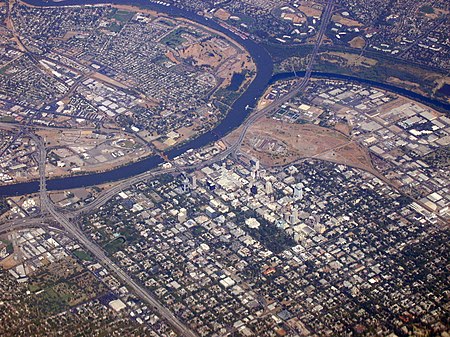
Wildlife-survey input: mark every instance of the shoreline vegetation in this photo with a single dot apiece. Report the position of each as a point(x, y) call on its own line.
point(247, 89)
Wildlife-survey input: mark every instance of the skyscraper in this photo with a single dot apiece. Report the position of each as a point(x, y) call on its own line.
point(298, 191)
point(293, 219)
point(269, 187)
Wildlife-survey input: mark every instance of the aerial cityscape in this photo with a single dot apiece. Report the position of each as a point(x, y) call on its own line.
point(209, 168)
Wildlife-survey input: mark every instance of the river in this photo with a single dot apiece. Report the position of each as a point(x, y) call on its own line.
point(234, 118)
point(439, 105)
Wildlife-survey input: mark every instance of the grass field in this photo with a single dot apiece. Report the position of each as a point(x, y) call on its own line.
point(123, 16)
point(175, 38)
point(114, 245)
point(372, 66)
point(82, 255)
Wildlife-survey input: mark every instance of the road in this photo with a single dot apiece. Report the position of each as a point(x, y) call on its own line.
point(27, 223)
point(103, 197)
point(325, 19)
point(422, 36)
point(66, 220)
point(74, 231)
point(232, 149)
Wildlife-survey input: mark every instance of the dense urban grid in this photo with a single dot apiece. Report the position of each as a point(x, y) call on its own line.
point(111, 85)
point(325, 213)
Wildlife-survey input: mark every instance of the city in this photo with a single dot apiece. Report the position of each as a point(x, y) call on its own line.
point(164, 175)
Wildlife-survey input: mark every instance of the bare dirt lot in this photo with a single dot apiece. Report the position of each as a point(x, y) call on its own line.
point(310, 8)
point(345, 21)
point(357, 42)
point(9, 262)
point(210, 53)
point(277, 143)
point(222, 14)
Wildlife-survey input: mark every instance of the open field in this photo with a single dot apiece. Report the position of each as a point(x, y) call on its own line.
point(222, 14)
point(357, 42)
point(348, 60)
point(210, 53)
point(183, 134)
point(130, 8)
point(440, 83)
point(372, 66)
point(277, 143)
point(345, 21)
point(397, 81)
point(311, 9)
point(379, 68)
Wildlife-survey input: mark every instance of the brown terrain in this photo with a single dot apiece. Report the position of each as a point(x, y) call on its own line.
point(10, 261)
point(357, 42)
point(222, 14)
point(225, 59)
point(310, 8)
point(277, 143)
point(345, 21)
point(295, 18)
point(210, 53)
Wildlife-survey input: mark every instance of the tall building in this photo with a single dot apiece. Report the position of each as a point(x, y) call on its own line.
point(269, 187)
point(211, 185)
point(255, 164)
point(182, 215)
point(319, 228)
point(194, 182)
point(186, 185)
point(298, 191)
point(293, 219)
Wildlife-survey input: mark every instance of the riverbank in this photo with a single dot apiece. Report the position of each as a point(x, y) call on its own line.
point(433, 103)
point(238, 112)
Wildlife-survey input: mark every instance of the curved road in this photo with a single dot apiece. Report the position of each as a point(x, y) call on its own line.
point(74, 231)
point(108, 194)
point(325, 19)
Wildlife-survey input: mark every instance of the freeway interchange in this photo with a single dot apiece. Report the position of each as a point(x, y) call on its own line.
point(67, 222)
point(74, 231)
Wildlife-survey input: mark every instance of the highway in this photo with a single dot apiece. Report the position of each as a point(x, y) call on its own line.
point(103, 197)
point(232, 149)
point(325, 19)
point(67, 220)
point(27, 223)
point(75, 232)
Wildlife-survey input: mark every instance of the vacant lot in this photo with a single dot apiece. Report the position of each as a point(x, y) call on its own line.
point(345, 21)
point(357, 42)
point(278, 143)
